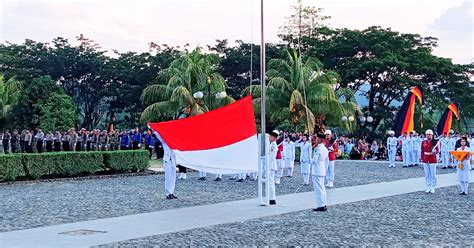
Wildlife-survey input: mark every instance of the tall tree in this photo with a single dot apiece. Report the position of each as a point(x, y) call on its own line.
point(391, 62)
point(9, 94)
point(172, 95)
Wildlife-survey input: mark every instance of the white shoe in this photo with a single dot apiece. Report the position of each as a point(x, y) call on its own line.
point(180, 176)
point(184, 176)
point(331, 185)
point(427, 190)
point(432, 191)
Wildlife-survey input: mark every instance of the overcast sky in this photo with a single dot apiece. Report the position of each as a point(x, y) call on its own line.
point(131, 25)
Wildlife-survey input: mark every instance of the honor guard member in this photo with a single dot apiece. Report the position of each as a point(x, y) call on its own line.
point(445, 144)
point(39, 137)
point(429, 149)
point(15, 142)
point(169, 164)
point(49, 141)
point(452, 147)
point(272, 165)
point(6, 142)
point(279, 161)
point(289, 155)
point(319, 162)
point(305, 157)
point(392, 143)
point(463, 170)
point(417, 149)
point(332, 147)
point(57, 141)
point(411, 149)
point(405, 149)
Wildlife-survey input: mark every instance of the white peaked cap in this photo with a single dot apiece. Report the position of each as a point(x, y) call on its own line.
point(429, 131)
point(327, 132)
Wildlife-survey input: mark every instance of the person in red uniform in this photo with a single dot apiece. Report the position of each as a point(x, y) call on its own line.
point(332, 147)
point(429, 149)
point(279, 158)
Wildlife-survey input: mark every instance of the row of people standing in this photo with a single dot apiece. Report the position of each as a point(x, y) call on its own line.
point(28, 141)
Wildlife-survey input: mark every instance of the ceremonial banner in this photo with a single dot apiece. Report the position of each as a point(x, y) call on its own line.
point(223, 141)
point(446, 121)
point(404, 122)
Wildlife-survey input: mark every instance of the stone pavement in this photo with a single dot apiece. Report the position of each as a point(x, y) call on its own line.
point(174, 220)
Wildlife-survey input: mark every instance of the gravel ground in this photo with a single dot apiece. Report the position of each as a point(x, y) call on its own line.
point(25, 206)
point(416, 219)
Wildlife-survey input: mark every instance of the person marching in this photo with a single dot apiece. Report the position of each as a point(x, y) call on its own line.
point(332, 147)
point(428, 156)
point(305, 157)
point(463, 171)
point(319, 162)
point(392, 143)
point(289, 155)
point(272, 165)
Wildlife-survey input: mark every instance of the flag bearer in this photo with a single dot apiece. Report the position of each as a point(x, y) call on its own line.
point(272, 165)
point(319, 162)
point(169, 164)
point(464, 172)
point(428, 156)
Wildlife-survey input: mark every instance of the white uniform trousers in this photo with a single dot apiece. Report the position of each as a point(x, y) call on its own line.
point(445, 157)
point(289, 164)
point(272, 195)
point(430, 175)
point(463, 176)
point(392, 154)
point(279, 172)
point(330, 173)
point(242, 176)
point(319, 191)
point(406, 157)
point(417, 157)
point(170, 177)
point(202, 174)
point(218, 176)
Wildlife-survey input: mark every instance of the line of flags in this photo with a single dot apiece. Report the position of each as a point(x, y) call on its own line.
point(404, 121)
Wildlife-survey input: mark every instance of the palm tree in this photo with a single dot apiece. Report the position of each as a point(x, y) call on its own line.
point(300, 91)
point(9, 93)
point(171, 96)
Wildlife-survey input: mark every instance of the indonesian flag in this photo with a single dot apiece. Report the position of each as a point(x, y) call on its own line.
point(223, 141)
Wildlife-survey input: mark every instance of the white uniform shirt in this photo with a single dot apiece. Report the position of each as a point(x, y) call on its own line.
point(452, 144)
point(392, 143)
point(445, 144)
point(320, 160)
point(273, 149)
point(417, 143)
point(405, 142)
point(306, 150)
point(288, 150)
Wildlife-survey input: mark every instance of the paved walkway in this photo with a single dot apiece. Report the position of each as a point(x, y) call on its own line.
point(168, 221)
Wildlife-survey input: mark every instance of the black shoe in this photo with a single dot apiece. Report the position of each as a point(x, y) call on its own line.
point(169, 197)
point(173, 196)
point(273, 202)
point(218, 179)
point(202, 178)
point(240, 180)
point(462, 193)
point(320, 209)
point(405, 166)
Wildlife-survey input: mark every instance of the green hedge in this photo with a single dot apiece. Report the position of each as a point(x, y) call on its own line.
point(11, 167)
point(37, 165)
point(127, 160)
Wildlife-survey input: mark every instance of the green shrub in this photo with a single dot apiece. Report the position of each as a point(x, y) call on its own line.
point(126, 160)
point(11, 167)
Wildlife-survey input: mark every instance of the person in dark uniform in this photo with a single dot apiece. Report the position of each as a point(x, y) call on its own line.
point(15, 142)
point(57, 141)
point(28, 141)
point(136, 139)
point(6, 142)
point(39, 138)
point(49, 141)
point(158, 147)
point(149, 143)
point(124, 141)
point(80, 141)
point(66, 142)
point(22, 141)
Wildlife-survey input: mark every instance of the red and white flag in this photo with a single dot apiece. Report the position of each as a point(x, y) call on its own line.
point(223, 141)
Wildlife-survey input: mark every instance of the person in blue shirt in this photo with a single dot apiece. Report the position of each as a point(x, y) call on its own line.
point(149, 142)
point(136, 139)
point(124, 141)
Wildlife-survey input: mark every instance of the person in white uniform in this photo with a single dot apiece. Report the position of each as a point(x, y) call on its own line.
point(288, 155)
point(405, 149)
point(464, 172)
point(272, 165)
point(169, 164)
point(392, 144)
point(452, 147)
point(417, 149)
point(445, 143)
point(319, 162)
point(305, 157)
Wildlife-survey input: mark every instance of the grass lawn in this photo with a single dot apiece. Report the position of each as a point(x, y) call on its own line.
point(156, 163)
